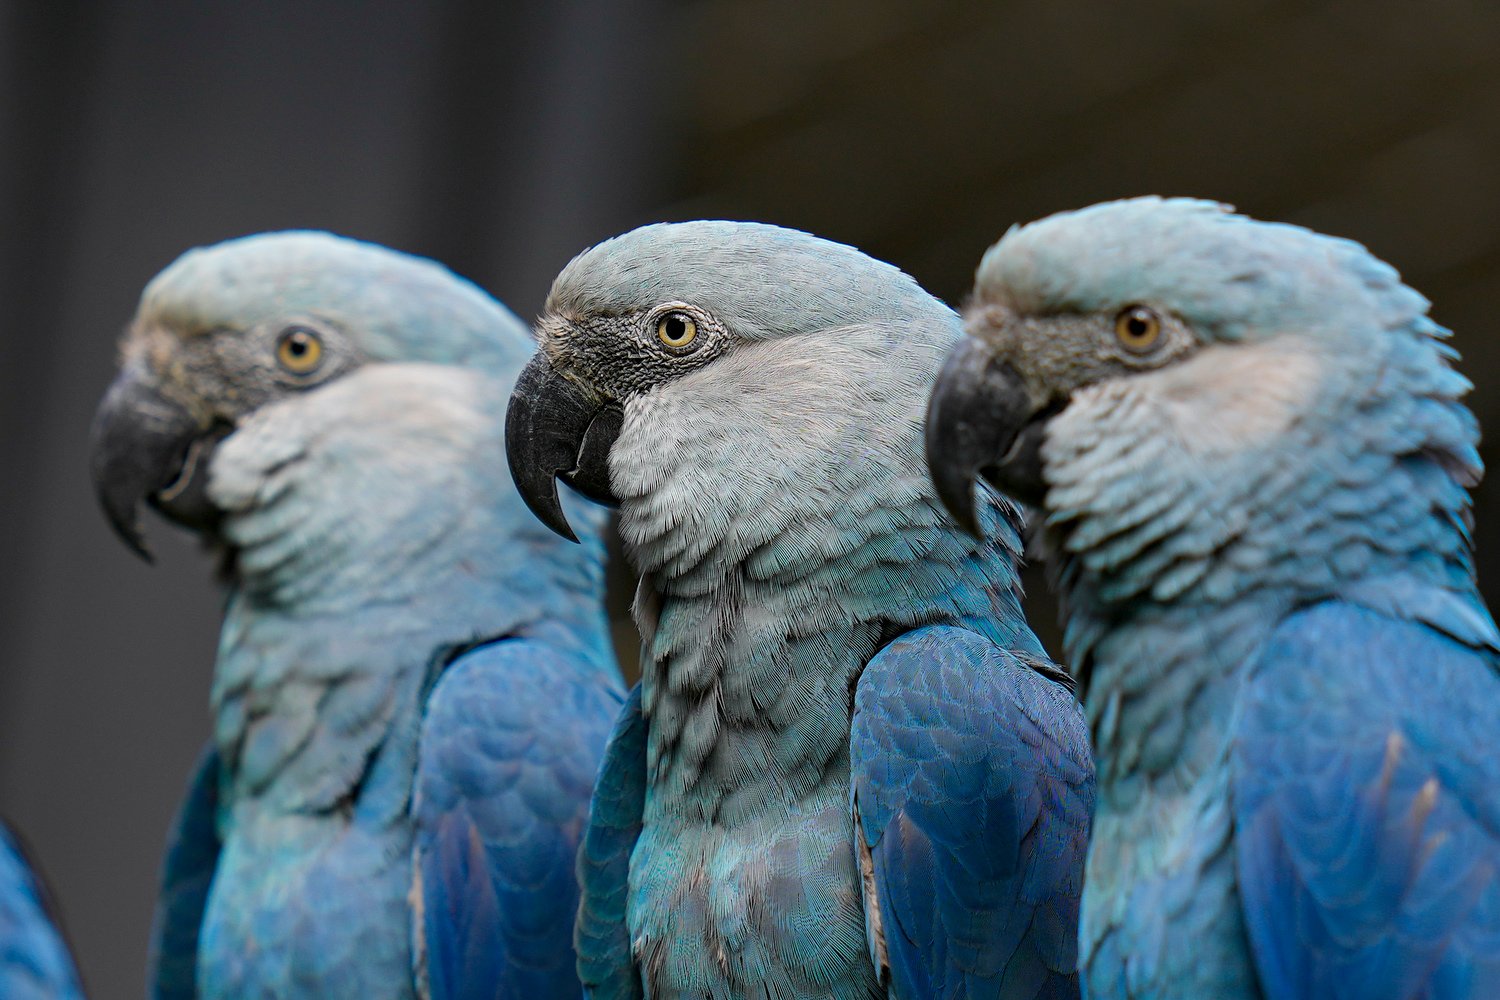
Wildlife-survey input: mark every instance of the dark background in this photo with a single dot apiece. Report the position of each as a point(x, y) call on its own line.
point(504, 137)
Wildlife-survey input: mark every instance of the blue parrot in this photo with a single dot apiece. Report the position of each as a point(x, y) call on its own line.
point(414, 682)
point(34, 959)
point(849, 770)
point(1249, 451)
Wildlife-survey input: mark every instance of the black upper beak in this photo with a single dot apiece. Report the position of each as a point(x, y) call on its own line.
point(140, 442)
point(981, 421)
point(556, 428)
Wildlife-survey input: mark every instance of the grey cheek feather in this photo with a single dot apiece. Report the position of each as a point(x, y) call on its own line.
point(728, 452)
point(357, 477)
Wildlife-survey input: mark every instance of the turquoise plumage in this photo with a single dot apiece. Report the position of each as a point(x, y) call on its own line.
point(850, 769)
point(414, 681)
point(1252, 461)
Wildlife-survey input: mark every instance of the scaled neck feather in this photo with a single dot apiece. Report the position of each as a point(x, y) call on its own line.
point(377, 534)
point(785, 525)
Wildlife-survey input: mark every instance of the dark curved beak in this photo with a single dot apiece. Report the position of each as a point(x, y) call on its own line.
point(140, 444)
point(981, 421)
point(556, 428)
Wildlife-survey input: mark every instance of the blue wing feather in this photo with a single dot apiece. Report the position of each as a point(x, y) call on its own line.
point(34, 959)
point(510, 746)
point(605, 963)
point(973, 790)
point(1367, 810)
point(187, 876)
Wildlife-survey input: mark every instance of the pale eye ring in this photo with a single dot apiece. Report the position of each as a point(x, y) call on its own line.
point(1137, 328)
point(676, 330)
point(299, 350)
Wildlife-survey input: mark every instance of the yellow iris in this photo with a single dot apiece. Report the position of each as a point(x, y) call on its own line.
point(299, 351)
point(676, 330)
point(1137, 328)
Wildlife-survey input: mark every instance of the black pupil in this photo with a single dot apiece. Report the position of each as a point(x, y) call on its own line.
point(1138, 325)
point(296, 344)
point(675, 328)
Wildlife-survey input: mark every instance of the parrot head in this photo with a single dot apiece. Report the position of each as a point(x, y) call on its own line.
point(1150, 365)
point(739, 353)
point(232, 330)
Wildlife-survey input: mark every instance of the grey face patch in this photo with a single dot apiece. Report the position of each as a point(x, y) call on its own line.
point(624, 355)
point(230, 373)
point(1060, 353)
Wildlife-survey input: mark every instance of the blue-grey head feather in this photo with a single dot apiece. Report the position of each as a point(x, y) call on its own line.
point(764, 281)
point(1228, 275)
point(1305, 352)
point(399, 307)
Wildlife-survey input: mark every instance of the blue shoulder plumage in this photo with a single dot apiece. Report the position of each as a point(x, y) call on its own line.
point(187, 875)
point(34, 960)
point(605, 963)
point(508, 756)
point(1367, 810)
point(973, 789)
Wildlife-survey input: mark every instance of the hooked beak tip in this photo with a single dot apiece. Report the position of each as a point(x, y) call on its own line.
point(136, 447)
point(128, 528)
point(953, 481)
point(975, 415)
point(554, 429)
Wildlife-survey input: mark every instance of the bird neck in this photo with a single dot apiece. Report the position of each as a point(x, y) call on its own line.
point(788, 533)
point(389, 542)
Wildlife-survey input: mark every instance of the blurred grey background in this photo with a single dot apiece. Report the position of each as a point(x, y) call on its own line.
point(504, 137)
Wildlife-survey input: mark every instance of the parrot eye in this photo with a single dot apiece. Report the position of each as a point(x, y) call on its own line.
point(676, 330)
point(299, 350)
point(1137, 328)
